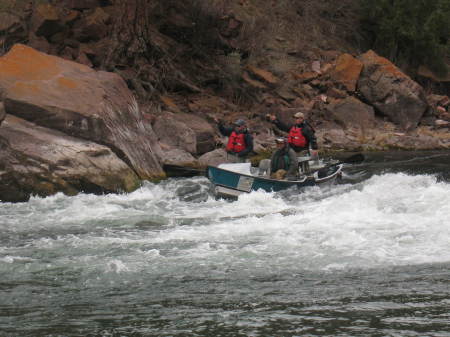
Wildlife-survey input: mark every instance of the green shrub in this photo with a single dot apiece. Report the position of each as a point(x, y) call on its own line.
point(411, 32)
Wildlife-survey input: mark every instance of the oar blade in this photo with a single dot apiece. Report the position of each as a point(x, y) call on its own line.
point(355, 159)
point(182, 171)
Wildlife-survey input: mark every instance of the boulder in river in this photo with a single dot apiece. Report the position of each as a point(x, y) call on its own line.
point(81, 102)
point(39, 161)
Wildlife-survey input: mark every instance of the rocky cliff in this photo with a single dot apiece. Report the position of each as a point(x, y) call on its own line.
point(98, 95)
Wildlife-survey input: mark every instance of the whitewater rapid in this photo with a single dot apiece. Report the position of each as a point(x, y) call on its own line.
point(388, 220)
point(363, 258)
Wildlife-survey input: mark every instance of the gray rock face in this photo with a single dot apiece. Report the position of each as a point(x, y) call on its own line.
point(204, 132)
point(213, 158)
point(391, 92)
point(41, 161)
point(173, 133)
point(179, 157)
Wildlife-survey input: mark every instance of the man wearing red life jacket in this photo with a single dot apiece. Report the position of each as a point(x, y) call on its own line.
point(301, 134)
point(240, 141)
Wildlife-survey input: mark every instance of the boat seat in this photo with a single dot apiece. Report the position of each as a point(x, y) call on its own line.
point(264, 168)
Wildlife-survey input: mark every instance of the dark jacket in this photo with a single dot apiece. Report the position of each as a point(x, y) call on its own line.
point(286, 159)
point(226, 131)
point(307, 131)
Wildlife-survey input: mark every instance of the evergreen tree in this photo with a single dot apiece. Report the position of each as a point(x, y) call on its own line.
point(410, 31)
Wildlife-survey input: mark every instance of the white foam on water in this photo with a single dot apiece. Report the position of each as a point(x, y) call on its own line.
point(390, 219)
point(116, 266)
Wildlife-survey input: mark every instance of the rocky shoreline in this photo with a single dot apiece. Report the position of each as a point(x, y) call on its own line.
point(68, 127)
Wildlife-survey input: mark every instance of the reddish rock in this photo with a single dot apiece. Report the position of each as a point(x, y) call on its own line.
point(262, 75)
point(336, 93)
point(252, 82)
point(78, 101)
point(392, 92)
point(306, 76)
point(170, 104)
point(347, 71)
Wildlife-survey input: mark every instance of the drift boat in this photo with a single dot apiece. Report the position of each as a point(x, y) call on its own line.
point(232, 180)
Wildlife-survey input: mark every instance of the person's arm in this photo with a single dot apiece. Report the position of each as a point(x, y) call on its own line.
point(248, 145)
point(282, 126)
point(310, 136)
point(225, 131)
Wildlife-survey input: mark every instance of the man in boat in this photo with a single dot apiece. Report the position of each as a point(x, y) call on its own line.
point(301, 134)
point(284, 162)
point(240, 141)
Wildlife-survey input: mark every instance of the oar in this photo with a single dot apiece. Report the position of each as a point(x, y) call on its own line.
point(182, 171)
point(355, 159)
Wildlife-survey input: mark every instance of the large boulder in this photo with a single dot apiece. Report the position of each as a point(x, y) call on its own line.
point(213, 158)
point(204, 132)
point(351, 112)
point(335, 138)
point(41, 161)
point(347, 71)
point(179, 157)
point(81, 102)
point(173, 133)
point(391, 92)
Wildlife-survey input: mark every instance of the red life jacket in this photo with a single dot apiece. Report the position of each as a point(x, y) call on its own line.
point(236, 142)
point(296, 137)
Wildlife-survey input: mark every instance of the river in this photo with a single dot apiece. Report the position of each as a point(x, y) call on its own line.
point(367, 257)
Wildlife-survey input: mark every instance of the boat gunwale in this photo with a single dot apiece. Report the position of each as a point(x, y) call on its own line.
point(288, 182)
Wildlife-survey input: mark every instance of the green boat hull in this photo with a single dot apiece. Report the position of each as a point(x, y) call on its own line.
point(232, 184)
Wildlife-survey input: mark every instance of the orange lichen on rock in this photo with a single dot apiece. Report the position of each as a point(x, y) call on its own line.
point(371, 57)
point(24, 89)
point(347, 71)
point(67, 83)
point(25, 63)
